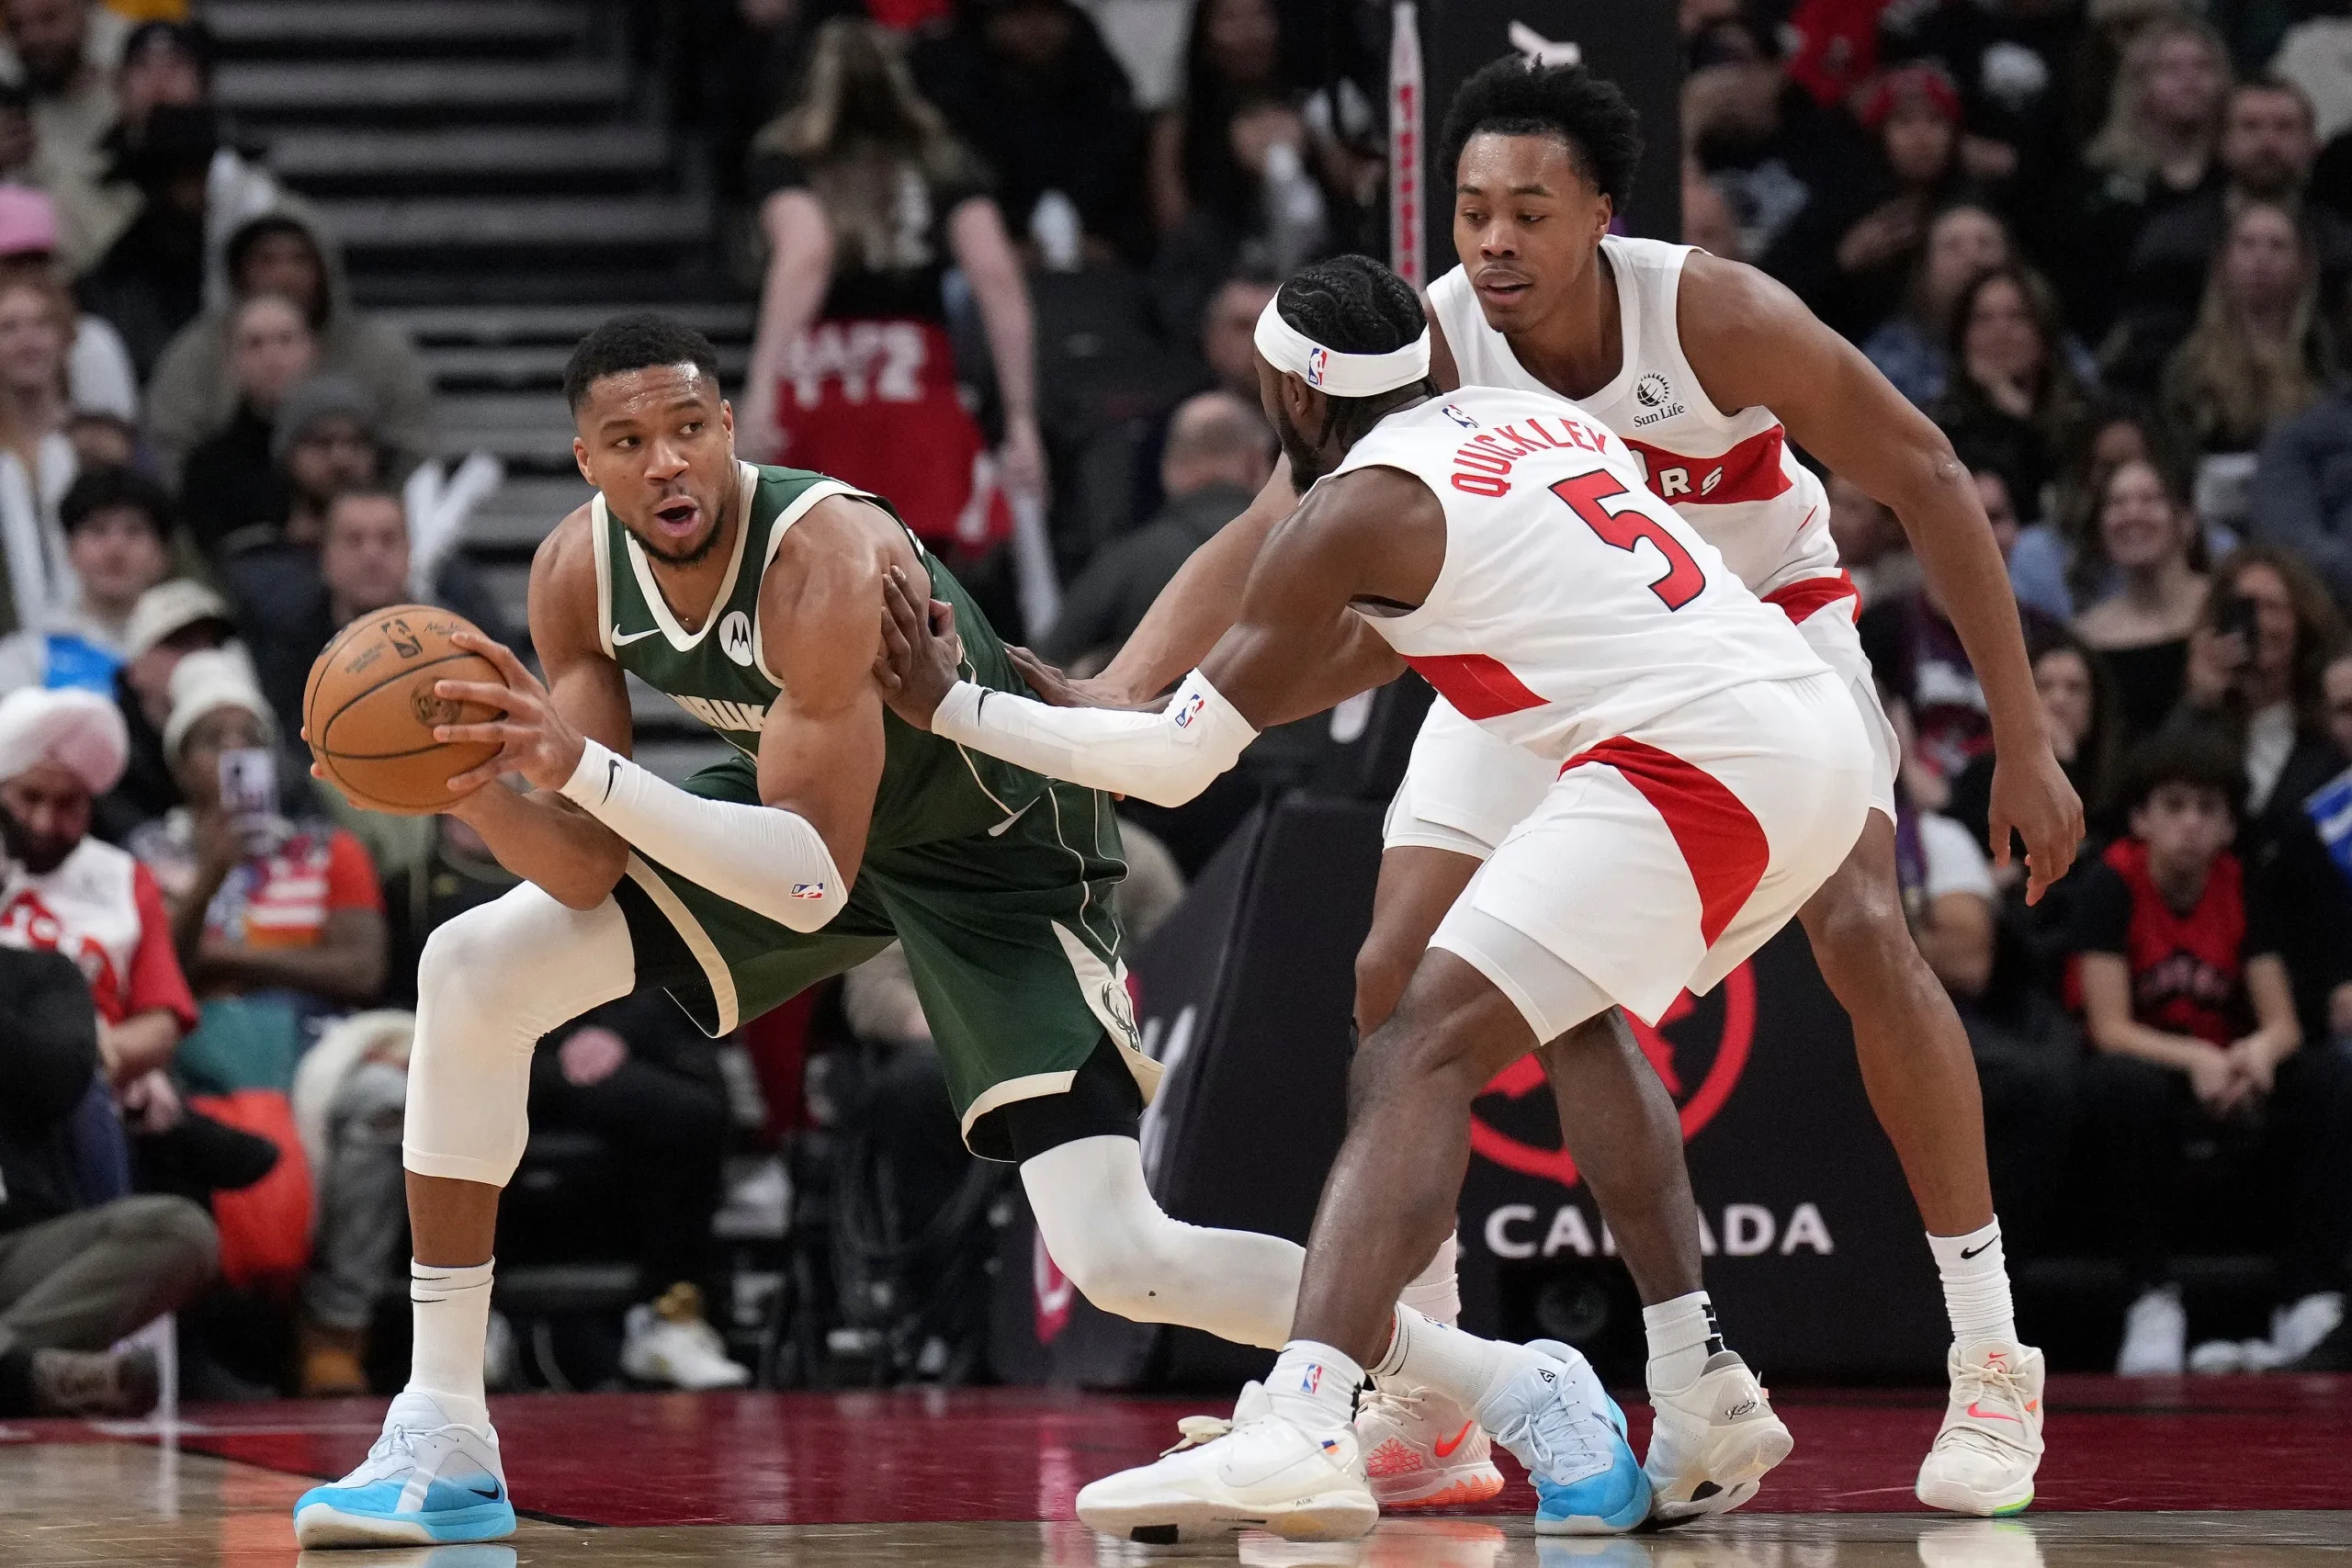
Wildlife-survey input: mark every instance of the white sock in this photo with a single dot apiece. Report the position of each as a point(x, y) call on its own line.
point(1464, 1367)
point(1976, 1285)
point(1314, 1386)
point(450, 1308)
point(1682, 1336)
point(1436, 1291)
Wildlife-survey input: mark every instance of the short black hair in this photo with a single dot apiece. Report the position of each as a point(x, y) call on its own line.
point(638, 341)
point(1515, 97)
point(2184, 753)
point(111, 489)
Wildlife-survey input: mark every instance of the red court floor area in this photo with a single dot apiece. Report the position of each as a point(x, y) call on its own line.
point(1019, 1454)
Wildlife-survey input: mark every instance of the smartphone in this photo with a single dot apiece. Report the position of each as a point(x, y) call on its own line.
point(2236, 614)
point(249, 795)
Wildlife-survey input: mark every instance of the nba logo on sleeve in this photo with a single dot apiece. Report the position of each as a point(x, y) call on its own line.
point(1317, 360)
point(1190, 711)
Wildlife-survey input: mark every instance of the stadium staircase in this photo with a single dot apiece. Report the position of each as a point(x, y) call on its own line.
point(503, 175)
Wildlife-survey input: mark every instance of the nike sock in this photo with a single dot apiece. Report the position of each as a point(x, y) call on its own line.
point(1436, 1291)
point(1682, 1336)
point(1464, 1367)
point(451, 1309)
point(1314, 1386)
point(1976, 1285)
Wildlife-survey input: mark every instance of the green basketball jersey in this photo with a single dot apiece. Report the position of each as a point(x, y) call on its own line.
point(930, 789)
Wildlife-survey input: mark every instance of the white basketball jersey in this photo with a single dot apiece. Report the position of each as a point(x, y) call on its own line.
point(1573, 605)
point(1731, 476)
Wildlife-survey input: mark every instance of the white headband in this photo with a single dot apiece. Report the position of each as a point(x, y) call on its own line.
point(1335, 374)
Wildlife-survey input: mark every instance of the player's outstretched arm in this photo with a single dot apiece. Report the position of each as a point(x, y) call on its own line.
point(1296, 649)
point(793, 857)
point(1752, 341)
point(1197, 607)
point(540, 836)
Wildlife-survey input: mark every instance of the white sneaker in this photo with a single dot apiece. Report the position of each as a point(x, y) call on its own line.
point(1984, 1457)
point(1712, 1443)
point(427, 1481)
point(2297, 1328)
point(668, 1342)
point(1258, 1470)
point(2155, 1335)
point(1422, 1450)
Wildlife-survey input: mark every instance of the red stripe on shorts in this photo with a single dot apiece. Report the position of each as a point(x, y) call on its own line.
point(1800, 600)
point(1746, 470)
point(1477, 686)
point(1720, 839)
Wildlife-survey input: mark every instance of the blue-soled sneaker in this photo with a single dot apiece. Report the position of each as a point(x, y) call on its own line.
point(428, 1481)
point(1557, 1420)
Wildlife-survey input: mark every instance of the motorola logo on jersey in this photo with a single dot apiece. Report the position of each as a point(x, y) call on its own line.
point(735, 638)
point(1699, 1048)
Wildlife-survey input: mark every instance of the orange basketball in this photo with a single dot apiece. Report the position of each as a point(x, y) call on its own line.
point(369, 708)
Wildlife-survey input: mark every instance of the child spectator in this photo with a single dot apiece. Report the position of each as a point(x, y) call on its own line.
point(2192, 1014)
point(118, 540)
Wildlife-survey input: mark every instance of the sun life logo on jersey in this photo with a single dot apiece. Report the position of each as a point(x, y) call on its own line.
point(735, 638)
point(1656, 394)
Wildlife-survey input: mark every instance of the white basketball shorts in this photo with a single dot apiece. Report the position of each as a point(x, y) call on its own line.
point(1661, 860)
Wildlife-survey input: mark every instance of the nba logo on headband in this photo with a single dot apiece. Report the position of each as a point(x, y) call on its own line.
point(1315, 363)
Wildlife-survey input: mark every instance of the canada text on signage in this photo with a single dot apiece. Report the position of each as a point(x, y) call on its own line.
point(1518, 1231)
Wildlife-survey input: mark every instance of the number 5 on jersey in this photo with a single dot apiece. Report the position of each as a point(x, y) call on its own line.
point(1588, 496)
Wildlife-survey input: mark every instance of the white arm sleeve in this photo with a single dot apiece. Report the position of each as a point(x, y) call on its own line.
point(763, 857)
point(1166, 758)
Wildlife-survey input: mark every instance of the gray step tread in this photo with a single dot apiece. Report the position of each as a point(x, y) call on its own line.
point(566, 324)
point(491, 222)
point(349, 88)
point(524, 510)
point(510, 152)
point(245, 23)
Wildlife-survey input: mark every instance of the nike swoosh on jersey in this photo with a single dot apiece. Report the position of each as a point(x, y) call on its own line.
point(621, 641)
point(1445, 1446)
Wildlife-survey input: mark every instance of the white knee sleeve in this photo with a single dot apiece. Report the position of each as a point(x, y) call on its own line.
point(490, 983)
point(1106, 1231)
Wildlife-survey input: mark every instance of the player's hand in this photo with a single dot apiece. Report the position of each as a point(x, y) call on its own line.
point(1063, 691)
point(533, 739)
point(921, 656)
point(2032, 799)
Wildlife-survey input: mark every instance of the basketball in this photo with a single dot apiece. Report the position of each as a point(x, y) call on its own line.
point(369, 708)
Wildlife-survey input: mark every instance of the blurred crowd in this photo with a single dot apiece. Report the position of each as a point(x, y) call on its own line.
point(1006, 255)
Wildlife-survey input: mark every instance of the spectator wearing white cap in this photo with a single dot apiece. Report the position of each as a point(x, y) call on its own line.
point(259, 904)
point(65, 891)
point(99, 377)
point(118, 530)
point(171, 621)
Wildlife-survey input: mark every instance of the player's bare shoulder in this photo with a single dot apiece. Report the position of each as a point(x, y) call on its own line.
point(1744, 331)
point(563, 604)
point(820, 601)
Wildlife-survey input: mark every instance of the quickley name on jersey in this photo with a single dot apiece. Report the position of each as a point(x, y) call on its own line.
point(930, 788)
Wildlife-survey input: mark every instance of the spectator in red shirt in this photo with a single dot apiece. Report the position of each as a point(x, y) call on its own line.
point(74, 894)
point(259, 903)
point(2191, 1012)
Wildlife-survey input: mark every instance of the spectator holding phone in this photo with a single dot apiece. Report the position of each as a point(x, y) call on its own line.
point(262, 906)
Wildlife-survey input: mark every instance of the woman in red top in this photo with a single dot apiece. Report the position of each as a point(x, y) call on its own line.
point(866, 199)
